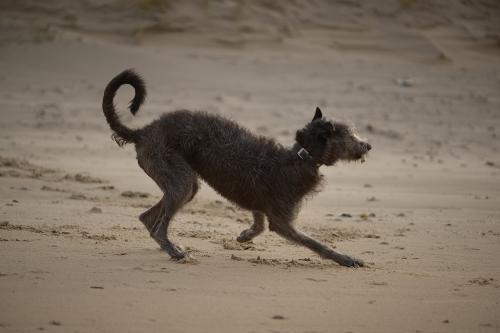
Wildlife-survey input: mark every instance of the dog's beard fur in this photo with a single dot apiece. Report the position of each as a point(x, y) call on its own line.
point(348, 150)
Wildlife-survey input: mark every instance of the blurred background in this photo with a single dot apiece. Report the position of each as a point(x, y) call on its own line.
point(419, 78)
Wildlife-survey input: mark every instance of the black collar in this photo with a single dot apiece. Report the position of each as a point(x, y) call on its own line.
point(304, 155)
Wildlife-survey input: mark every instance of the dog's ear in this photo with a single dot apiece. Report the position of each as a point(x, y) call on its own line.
point(317, 114)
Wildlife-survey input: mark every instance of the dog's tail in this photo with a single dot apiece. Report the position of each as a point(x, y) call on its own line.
point(122, 134)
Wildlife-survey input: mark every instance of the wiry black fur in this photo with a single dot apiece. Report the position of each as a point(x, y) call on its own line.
point(252, 171)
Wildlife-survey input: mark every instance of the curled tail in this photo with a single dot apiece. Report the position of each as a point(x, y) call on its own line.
point(122, 134)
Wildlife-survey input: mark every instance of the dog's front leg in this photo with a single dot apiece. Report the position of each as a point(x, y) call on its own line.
point(283, 228)
point(256, 229)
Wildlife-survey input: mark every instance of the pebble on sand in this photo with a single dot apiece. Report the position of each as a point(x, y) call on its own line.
point(95, 210)
point(278, 317)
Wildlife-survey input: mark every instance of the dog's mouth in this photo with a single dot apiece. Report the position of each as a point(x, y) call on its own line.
point(362, 155)
point(359, 157)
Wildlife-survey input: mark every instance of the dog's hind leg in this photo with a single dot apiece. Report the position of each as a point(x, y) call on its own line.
point(256, 229)
point(159, 233)
point(179, 184)
point(149, 217)
point(284, 228)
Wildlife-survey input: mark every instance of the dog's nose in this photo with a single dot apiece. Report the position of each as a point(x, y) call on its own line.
point(368, 146)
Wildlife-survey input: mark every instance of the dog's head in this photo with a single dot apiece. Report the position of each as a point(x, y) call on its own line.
point(328, 142)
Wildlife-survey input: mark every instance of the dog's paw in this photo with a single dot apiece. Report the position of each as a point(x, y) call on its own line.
point(244, 236)
point(175, 252)
point(351, 262)
point(187, 259)
point(242, 239)
point(178, 255)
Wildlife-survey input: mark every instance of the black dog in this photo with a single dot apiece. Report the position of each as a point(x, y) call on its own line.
point(252, 171)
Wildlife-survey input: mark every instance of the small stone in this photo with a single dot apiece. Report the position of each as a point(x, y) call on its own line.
point(233, 257)
point(95, 210)
point(106, 187)
point(405, 82)
point(379, 283)
point(77, 196)
point(135, 194)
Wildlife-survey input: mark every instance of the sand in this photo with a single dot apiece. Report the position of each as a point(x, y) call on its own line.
point(419, 80)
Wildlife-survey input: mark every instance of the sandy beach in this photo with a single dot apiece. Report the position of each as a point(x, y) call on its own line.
point(420, 80)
